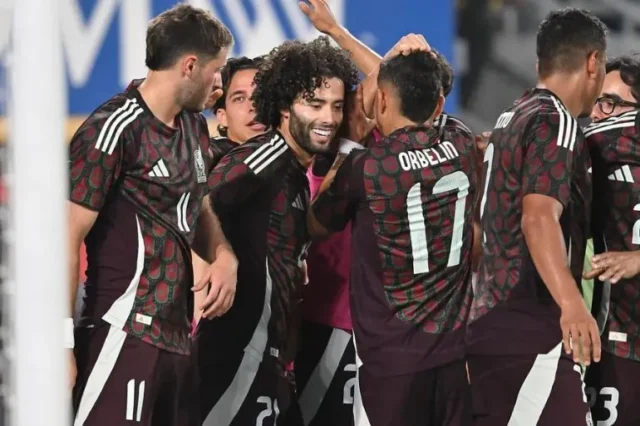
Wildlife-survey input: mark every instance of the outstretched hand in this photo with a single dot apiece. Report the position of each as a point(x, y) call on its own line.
point(320, 15)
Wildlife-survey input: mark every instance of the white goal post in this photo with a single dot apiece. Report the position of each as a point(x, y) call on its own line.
point(36, 389)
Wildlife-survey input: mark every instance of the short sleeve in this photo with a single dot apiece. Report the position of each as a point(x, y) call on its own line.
point(95, 161)
point(244, 170)
point(337, 205)
point(548, 166)
point(615, 138)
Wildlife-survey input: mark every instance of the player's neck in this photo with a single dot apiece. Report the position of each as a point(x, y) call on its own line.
point(566, 88)
point(160, 98)
point(303, 156)
point(398, 123)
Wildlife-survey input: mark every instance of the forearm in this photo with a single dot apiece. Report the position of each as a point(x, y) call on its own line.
point(209, 240)
point(328, 179)
point(74, 276)
point(199, 269)
point(315, 228)
point(362, 56)
point(545, 241)
point(369, 88)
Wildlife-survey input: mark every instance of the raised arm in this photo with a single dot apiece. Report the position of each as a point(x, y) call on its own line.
point(323, 19)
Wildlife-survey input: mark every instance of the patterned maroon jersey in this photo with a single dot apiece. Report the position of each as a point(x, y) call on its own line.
point(260, 192)
point(220, 147)
point(411, 198)
point(536, 147)
point(615, 149)
point(147, 181)
point(446, 121)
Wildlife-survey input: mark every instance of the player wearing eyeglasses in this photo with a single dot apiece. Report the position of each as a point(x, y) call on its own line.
point(613, 141)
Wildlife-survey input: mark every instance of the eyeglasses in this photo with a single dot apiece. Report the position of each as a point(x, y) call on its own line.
point(608, 104)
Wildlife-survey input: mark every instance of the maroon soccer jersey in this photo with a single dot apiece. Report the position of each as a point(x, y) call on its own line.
point(536, 147)
point(147, 181)
point(220, 147)
point(615, 149)
point(261, 194)
point(410, 197)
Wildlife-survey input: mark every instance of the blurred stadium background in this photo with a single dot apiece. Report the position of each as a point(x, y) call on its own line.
point(490, 42)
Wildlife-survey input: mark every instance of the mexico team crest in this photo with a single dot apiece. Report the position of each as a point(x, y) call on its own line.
point(200, 168)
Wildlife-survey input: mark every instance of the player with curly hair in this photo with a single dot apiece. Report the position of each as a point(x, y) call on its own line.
point(261, 194)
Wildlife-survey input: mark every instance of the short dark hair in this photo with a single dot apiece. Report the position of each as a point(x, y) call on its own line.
point(297, 69)
point(566, 37)
point(181, 30)
point(446, 71)
point(629, 68)
point(230, 69)
point(232, 66)
point(417, 79)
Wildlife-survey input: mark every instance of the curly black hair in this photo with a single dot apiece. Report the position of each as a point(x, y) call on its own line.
point(297, 69)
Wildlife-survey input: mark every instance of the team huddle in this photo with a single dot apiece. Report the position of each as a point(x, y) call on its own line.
point(348, 253)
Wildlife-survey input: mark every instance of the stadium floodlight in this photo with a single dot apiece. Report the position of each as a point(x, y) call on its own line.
point(36, 389)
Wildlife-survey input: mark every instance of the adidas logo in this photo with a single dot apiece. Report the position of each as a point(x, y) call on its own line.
point(298, 204)
point(159, 170)
point(623, 174)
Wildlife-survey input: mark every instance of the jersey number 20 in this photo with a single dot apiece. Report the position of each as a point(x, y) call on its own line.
point(456, 181)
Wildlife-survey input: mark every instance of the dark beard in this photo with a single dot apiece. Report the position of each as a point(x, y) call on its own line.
point(301, 132)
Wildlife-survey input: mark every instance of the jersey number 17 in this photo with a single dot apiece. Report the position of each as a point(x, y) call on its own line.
point(456, 181)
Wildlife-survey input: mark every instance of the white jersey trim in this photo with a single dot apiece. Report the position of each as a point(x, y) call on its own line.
point(266, 154)
point(227, 407)
point(118, 314)
point(115, 125)
point(628, 119)
point(316, 388)
point(536, 388)
point(568, 130)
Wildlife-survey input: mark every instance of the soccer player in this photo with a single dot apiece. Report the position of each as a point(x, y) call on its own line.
point(261, 193)
point(528, 315)
point(410, 198)
point(235, 111)
point(236, 124)
point(325, 365)
point(613, 140)
point(138, 172)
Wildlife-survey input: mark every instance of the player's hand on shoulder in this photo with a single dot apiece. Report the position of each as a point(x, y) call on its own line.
point(320, 15)
point(408, 44)
point(580, 334)
point(221, 277)
point(614, 266)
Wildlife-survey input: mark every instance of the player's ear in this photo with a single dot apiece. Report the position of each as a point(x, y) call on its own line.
point(439, 108)
point(285, 113)
point(592, 64)
point(188, 65)
point(221, 115)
